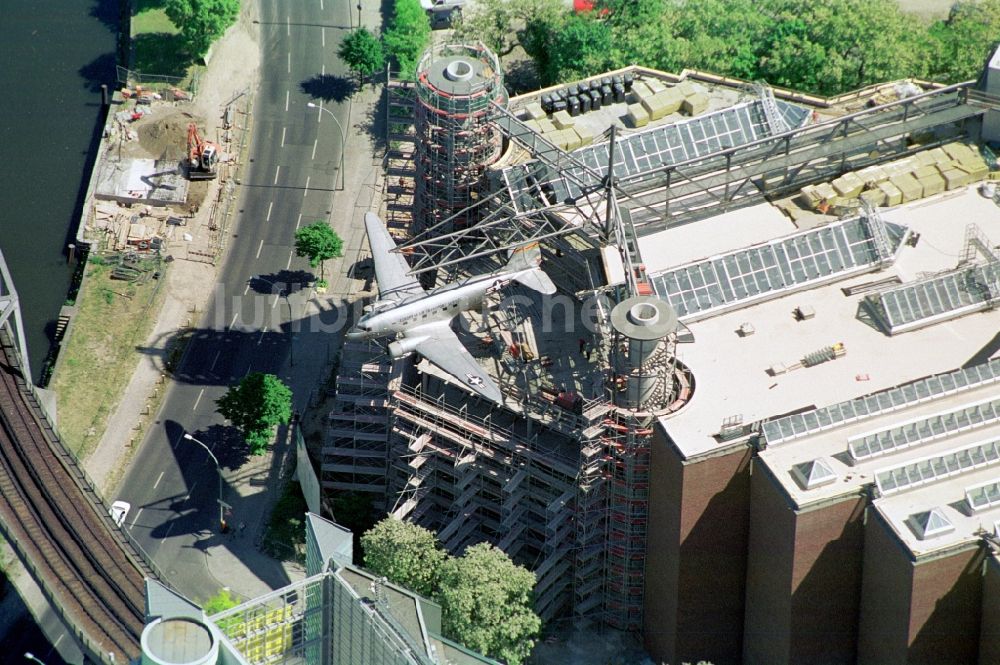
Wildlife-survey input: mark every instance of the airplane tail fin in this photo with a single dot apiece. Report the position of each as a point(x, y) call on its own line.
point(537, 279)
point(528, 258)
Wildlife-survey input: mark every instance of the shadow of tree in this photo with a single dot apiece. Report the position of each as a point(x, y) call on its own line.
point(162, 54)
point(374, 123)
point(329, 87)
point(283, 282)
point(107, 13)
point(230, 448)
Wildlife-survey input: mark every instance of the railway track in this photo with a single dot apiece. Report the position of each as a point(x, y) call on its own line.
point(69, 543)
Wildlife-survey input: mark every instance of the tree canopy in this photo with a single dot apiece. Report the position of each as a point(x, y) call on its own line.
point(408, 35)
point(254, 406)
point(362, 52)
point(822, 46)
point(318, 242)
point(405, 553)
point(201, 22)
point(486, 602)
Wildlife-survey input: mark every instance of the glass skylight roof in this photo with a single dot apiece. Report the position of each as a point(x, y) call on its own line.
point(920, 472)
point(938, 298)
point(788, 428)
point(983, 496)
point(931, 523)
point(705, 287)
point(654, 148)
point(916, 432)
point(814, 473)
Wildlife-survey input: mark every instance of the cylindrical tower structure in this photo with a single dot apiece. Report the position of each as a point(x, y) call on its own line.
point(457, 87)
point(645, 327)
point(179, 641)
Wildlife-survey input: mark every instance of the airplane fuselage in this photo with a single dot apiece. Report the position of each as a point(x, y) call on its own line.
point(440, 305)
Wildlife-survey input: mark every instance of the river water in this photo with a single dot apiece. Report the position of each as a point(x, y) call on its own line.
point(54, 55)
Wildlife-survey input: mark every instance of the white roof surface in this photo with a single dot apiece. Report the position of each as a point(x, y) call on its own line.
point(731, 372)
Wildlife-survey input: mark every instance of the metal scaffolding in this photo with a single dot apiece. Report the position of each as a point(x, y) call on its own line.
point(458, 89)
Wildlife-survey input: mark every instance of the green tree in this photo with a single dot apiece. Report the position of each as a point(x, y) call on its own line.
point(254, 406)
point(319, 243)
point(486, 603)
point(220, 602)
point(576, 46)
point(965, 40)
point(201, 22)
point(408, 35)
point(407, 554)
point(362, 52)
point(499, 24)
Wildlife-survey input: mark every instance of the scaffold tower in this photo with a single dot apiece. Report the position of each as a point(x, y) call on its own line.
point(458, 90)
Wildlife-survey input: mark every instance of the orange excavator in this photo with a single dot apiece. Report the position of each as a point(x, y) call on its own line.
point(202, 156)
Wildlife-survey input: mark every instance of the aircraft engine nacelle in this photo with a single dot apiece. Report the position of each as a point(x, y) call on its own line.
point(404, 346)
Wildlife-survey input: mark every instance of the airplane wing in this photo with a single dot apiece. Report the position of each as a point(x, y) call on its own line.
point(443, 348)
point(390, 267)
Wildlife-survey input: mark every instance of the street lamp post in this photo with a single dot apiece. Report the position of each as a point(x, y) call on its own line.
point(343, 137)
point(359, 14)
point(222, 504)
point(291, 334)
point(30, 656)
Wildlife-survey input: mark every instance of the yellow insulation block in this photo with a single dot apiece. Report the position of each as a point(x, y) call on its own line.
point(848, 185)
point(656, 86)
point(585, 135)
point(563, 120)
point(892, 194)
point(909, 187)
point(955, 178)
point(637, 115)
point(694, 104)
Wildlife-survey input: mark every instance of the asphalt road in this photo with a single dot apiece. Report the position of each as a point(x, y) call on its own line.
point(294, 159)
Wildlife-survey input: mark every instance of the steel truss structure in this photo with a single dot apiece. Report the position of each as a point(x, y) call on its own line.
point(10, 316)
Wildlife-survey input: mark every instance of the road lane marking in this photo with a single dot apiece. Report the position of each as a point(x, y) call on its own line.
point(233, 322)
point(289, 62)
point(260, 339)
point(158, 479)
point(288, 26)
point(283, 130)
point(246, 290)
point(197, 401)
point(315, 143)
point(275, 304)
point(136, 520)
point(162, 540)
point(306, 190)
point(321, 5)
point(260, 247)
point(270, 206)
point(319, 113)
point(323, 35)
point(287, 95)
point(298, 221)
point(322, 70)
point(217, 354)
point(290, 255)
point(191, 491)
point(277, 170)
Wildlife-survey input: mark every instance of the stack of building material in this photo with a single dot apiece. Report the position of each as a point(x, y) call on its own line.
point(637, 116)
point(585, 135)
point(892, 194)
point(534, 111)
point(663, 103)
point(694, 104)
point(848, 186)
point(930, 179)
point(909, 186)
point(563, 120)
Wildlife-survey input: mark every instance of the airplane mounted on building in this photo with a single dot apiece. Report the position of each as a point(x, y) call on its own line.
point(421, 319)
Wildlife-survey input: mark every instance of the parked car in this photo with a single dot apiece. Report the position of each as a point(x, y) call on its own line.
point(442, 13)
point(119, 511)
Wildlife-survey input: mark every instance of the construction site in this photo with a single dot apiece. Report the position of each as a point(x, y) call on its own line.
point(727, 255)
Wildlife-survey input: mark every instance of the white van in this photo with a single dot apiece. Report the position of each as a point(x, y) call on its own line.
point(119, 511)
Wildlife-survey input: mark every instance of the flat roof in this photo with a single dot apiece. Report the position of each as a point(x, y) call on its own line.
point(786, 461)
point(956, 523)
point(731, 370)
